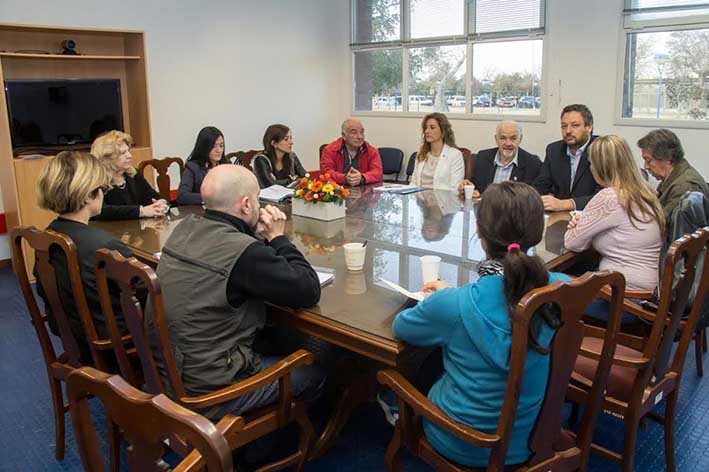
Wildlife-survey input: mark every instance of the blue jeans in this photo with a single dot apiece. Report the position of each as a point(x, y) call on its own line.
point(307, 382)
point(599, 310)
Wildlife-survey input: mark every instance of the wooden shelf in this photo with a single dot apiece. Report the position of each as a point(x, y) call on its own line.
point(66, 56)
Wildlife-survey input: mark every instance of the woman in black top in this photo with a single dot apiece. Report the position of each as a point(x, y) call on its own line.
point(130, 196)
point(277, 164)
point(208, 152)
point(72, 185)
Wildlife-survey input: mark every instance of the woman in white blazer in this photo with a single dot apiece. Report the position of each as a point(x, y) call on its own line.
point(439, 164)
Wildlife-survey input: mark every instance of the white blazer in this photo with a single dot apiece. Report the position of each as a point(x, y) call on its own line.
point(449, 172)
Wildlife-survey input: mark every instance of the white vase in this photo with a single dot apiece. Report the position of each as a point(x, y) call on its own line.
point(319, 211)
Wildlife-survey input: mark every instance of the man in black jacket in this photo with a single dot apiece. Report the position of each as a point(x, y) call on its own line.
point(566, 182)
point(507, 161)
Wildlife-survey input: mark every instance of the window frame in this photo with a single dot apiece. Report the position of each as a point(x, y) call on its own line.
point(651, 26)
point(469, 39)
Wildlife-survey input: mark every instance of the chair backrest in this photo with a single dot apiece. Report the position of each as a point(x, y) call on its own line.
point(44, 244)
point(243, 158)
point(127, 273)
point(673, 302)
point(322, 146)
point(161, 166)
point(144, 420)
point(567, 301)
point(411, 165)
point(391, 160)
point(469, 159)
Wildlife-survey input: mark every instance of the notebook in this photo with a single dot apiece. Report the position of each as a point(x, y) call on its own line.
point(325, 275)
point(275, 193)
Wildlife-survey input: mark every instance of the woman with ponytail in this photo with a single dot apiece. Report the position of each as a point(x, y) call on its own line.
point(472, 325)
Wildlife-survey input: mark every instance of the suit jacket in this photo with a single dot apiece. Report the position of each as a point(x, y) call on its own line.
point(526, 170)
point(555, 176)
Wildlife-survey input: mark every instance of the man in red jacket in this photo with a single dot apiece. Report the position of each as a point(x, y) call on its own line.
point(350, 159)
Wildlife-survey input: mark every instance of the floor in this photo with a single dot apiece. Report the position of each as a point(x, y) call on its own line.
point(26, 415)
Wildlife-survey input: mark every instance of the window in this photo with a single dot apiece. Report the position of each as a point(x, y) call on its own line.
point(454, 56)
point(666, 67)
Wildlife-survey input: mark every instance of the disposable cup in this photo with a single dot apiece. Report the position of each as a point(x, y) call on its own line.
point(430, 268)
point(354, 256)
point(469, 189)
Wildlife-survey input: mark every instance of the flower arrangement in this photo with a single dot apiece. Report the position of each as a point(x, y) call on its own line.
point(320, 189)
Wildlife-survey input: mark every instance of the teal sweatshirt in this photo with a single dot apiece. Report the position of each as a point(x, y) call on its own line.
point(472, 326)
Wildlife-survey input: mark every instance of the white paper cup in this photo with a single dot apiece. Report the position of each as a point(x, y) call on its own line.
point(430, 268)
point(469, 191)
point(354, 256)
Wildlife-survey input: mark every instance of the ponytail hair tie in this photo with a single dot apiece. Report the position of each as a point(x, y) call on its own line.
point(512, 246)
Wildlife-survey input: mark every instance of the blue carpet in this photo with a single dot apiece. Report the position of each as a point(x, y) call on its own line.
point(27, 431)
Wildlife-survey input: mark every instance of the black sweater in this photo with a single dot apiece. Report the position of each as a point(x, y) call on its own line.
point(267, 175)
point(124, 203)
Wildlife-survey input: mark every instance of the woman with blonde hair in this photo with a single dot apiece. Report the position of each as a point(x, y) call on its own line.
point(130, 195)
point(439, 164)
point(624, 222)
point(73, 185)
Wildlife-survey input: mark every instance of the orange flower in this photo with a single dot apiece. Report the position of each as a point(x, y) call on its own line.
point(345, 193)
point(304, 181)
point(309, 196)
point(321, 177)
point(317, 185)
point(327, 175)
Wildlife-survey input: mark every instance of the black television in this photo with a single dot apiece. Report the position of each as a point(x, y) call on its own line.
point(62, 112)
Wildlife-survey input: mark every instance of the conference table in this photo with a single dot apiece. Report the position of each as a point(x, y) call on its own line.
point(356, 309)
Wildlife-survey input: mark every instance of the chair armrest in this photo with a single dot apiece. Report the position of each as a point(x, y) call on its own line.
point(638, 294)
point(280, 369)
point(104, 344)
point(622, 361)
point(229, 424)
point(424, 407)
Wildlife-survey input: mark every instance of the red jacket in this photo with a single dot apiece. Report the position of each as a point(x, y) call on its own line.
point(332, 161)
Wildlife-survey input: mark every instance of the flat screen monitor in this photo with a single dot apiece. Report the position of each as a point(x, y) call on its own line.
point(62, 112)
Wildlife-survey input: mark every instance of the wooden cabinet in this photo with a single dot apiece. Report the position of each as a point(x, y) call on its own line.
point(33, 52)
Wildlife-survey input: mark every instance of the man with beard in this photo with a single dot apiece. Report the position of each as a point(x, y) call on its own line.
point(507, 161)
point(566, 182)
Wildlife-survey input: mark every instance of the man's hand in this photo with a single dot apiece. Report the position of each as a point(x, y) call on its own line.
point(430, 287)
point(157, 209)
point(353, 177)
point(271, 223)
point(551, 203)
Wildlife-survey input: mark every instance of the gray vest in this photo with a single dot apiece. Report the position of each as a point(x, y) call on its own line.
point(211, 340)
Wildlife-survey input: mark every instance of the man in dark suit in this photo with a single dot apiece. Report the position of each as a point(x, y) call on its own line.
point(507, 161)
point(566, 182)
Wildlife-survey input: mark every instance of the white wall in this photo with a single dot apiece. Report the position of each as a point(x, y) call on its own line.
point(239, 65)
point(583, 46)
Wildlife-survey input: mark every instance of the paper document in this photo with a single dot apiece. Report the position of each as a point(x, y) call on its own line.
point(325, 275)
point(398, 288)
point(400, 189)
point(275, 193)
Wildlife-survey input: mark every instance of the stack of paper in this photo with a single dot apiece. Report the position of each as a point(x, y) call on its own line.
point(275, 193)
point(413, 295)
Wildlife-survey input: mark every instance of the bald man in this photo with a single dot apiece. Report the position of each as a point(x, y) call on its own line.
point(216, 273)
point(350, 159)
point(507, 161)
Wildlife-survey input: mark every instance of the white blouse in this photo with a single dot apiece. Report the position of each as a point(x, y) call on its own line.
point(449, 172)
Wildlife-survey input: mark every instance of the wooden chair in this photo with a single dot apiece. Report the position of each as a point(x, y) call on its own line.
point(320, 150)
point(128, 273)
point(645, 372)
point(44, 243)
point(161, 166)
point(469, 159)
point(242, 158)
point(552, 447)
point(145, 421)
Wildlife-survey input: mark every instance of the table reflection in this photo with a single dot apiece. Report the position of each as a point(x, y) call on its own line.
point(398, 228)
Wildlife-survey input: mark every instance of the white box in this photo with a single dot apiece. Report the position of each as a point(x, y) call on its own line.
point(319, 211)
